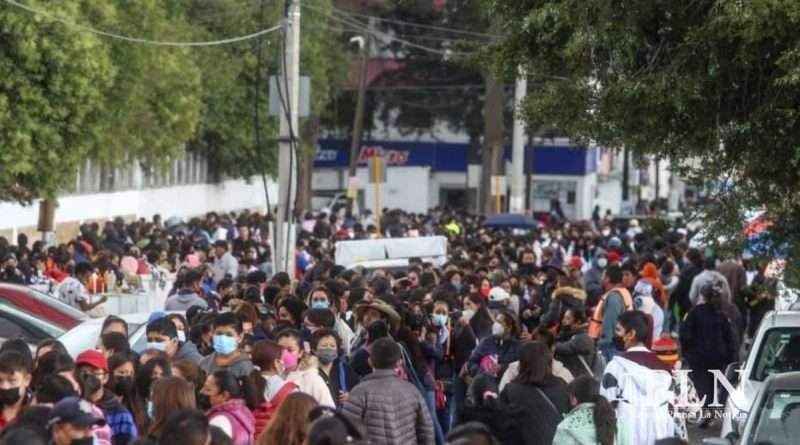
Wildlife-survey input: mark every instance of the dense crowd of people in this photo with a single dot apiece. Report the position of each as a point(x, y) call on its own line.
point(567, 334)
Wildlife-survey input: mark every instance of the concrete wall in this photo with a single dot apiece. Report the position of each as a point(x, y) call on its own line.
point(183, 201)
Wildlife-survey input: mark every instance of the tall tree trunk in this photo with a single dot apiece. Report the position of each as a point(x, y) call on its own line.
point(309, 135)
point(493, 137)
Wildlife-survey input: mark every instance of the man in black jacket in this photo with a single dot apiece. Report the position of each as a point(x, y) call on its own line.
point(681, 295)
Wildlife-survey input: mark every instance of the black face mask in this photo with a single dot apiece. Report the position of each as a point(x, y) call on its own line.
point(123, 386)
point(203, 402)
point(619, 343)
point(84, 441)
point(9, 396)
point(527, 269)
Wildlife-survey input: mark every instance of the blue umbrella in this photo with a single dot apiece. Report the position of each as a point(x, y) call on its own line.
point(511, 221)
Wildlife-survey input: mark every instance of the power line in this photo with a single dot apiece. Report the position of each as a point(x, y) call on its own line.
point(359, 27)
point(419, 25)
point(83, 28)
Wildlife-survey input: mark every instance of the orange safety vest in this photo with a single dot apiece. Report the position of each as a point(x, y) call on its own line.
point(596, 323)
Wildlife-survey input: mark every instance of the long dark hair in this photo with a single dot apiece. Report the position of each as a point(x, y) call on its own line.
point(264, 354)
point(237, 388)
point(482, 320)
point(535, 363)
point(585, 389)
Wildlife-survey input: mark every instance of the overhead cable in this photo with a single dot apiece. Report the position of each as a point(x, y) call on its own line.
point(112, 35)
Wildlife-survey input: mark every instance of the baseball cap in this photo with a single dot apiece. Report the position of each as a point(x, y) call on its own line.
point(92, 358)
point(613, 257)
point(75, 411)
point(155, 316)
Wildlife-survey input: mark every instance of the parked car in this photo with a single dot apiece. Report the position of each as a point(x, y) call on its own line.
point(85, 335)
point(775, 350)
point(775, 415)
point(40, 305)
point(15, 323)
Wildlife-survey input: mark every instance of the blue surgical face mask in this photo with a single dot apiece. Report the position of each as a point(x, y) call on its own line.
point(441, 319)
point(225, 345)
point(158, 346)
point(320, 304)
point(150, 414)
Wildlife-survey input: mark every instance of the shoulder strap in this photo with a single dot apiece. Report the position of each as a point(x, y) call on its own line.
point(549, 402)
point(585, 365)
point(285, 390)
point(342, 379)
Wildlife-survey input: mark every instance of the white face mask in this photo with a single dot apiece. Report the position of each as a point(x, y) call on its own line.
point(498, 330)
point(602, 263)
point(467, 314)
point(181, 336)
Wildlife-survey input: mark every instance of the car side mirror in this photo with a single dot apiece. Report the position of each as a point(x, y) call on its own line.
point(731, 374)
point(716, 441)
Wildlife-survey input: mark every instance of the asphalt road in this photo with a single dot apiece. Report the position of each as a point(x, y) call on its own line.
point(696, 435)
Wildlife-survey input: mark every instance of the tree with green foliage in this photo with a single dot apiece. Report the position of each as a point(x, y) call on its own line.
point(153, 107)
point(52, 101)
point(713, 86)
point(235, 82)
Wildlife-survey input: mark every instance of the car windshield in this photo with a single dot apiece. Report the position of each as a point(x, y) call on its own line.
point(778, 421)
point(779, 353)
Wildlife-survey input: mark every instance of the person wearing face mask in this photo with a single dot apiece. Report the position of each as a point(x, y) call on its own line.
point(495, 353)
point(162, 335)
point(228, 335)
point(335, 372)
point(231, 400)
point(71, 422)
point(639, 382)
point(593, 278)
point(15, 379)
point(270, 386)
point(122, 382)
point(320, 298)
point(303, 369)
point(614, 302)
point(452, 345)
point(477, 315)
point(118, 418)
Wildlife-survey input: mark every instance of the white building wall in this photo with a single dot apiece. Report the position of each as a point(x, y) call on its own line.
point(183, 201)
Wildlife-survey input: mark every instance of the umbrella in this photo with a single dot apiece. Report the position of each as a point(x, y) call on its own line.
point(511, 221)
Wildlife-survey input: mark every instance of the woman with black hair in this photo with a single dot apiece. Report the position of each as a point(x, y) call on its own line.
point(154, 369)
point(231, 400)
point(592, 420)
point(707, 340)
point(477, 315)
point(542, 397)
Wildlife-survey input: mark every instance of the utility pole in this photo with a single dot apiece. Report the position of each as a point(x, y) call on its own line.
point(358, 120)
point(289, 84)
point(517, 201)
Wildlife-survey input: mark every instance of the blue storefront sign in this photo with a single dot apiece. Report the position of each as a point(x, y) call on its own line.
point(452, 157)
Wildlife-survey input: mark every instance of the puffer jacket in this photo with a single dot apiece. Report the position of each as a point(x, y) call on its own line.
point(563, 298)
point(241, 420)
point(392, 409)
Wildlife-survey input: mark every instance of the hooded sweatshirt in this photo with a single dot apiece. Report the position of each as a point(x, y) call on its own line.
point(308, 380)
point(650, 274)
point(183, 300)
point(578, 428)
point(593, 278)
point(241, 367)
point(642, 395)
